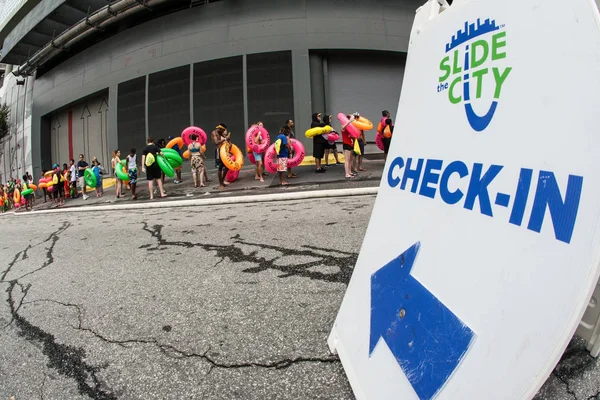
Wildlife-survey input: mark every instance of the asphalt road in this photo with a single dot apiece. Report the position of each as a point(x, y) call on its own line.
point(227, 302)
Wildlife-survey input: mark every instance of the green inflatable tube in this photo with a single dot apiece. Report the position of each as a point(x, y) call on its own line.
point(174, 158)
point(173, 162)
point(166, 151)
point(26, 192)
point(90, 178)
point(122, 175)
point(165, 166)
point(170, 153)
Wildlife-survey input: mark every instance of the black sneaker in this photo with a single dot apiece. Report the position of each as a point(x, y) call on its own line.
point(320, 171)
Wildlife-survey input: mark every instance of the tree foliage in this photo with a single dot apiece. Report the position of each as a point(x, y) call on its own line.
point(4, 125)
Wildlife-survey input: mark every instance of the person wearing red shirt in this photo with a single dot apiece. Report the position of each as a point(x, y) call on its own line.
point(348, 145)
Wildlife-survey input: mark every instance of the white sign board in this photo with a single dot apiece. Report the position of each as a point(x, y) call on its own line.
point(483, 247)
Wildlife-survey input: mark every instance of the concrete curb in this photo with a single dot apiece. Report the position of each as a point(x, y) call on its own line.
point(261, 198)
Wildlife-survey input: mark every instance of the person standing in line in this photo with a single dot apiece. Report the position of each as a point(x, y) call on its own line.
point(81, 167)
point(258, 157)
point(196, 161)
point(73, 179)
point(132, 171)
point(319, 143)
point(330, 147)
point(161, 145)
point(290, 124)
point(386, 121)
point(283, 155)
point(114, 163)
point(358, 158)
point(348, 145)
point(57, 180)
point(98, 170)
point(67, 177)
point(151, 168)
point(178, 179)
point(219, 137)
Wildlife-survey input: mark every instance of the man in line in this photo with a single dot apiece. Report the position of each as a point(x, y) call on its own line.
point(73, 178)
point(319, 143)
point(81, 167)
point(153, 171)
point(219, 137)
point(178, 179)
point(290, 124)
point(386, 121)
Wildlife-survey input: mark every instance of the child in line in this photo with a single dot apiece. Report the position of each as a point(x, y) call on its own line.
point(98, 171)
point(283, 154)
point(132, 171)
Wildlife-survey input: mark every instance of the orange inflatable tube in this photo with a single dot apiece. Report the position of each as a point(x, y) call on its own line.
point(178, 141)
point(232, 164)
point(363, 124)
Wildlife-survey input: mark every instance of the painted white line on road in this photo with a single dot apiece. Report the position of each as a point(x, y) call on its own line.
point(261, 198)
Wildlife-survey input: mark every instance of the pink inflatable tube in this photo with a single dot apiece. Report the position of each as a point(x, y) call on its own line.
point(351, 129)
point(185, 135)
point(257, 147)
point(333, 137)
point(298, 152)
point(270, 159)
point(379, 142)
point(251, 157)
point(232, 175)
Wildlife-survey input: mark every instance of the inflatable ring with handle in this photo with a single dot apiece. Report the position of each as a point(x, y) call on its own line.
point(352, 130)
point(89, 177)
point(319, 130)
point(363, 124)
point(233, 164)
point(165, 166)
point(250, 135)
point(298, 153)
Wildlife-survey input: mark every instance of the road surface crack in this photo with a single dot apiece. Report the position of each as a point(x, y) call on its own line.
point(53, 239)
point(173, 352)
point(344, 261)
point(67, 360)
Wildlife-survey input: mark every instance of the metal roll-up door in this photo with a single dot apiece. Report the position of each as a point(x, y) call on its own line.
point(364, 82)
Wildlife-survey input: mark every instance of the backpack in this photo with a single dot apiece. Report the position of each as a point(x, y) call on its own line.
point(278, 146)
point(150, 159)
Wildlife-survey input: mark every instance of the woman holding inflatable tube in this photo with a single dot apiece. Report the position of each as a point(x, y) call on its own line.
point(348, 143)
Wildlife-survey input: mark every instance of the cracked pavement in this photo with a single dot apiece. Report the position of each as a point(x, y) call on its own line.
point(225, 302)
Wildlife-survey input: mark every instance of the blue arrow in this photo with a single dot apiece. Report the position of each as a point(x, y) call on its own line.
point(427, 340)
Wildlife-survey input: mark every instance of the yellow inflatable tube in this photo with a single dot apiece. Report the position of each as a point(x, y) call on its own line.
point(317, 131)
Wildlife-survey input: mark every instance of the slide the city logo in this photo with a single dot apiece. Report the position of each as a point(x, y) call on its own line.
point(476, 58)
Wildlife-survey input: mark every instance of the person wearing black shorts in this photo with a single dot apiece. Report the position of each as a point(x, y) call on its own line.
point(319, 143)
point(59, 188)
point(330, 147)
point(219, 137)
point(386, 121)
point(153, 171)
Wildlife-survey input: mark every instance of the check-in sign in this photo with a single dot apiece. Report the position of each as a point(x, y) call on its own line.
point(483, 248)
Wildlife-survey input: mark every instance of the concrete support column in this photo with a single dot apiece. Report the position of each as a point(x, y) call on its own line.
point(317, 83)
point(303, 105)
point(112, 132)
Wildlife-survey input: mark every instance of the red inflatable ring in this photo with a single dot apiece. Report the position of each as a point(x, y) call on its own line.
point(257, 147)
point(185, 135)
point(298, 153)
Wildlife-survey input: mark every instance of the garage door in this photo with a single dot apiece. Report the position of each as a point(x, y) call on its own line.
point(365, 83)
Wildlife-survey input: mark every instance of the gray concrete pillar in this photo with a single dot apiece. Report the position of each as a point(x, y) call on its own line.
point(302, 95)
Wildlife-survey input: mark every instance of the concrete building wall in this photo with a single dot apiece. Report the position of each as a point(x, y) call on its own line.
point(220, 30)
point(15, 150)
point(86, 122)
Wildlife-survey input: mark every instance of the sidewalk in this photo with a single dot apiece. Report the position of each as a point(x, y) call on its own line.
point(307, 179)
